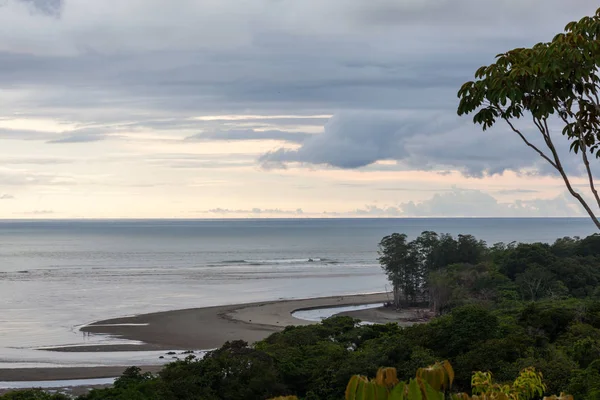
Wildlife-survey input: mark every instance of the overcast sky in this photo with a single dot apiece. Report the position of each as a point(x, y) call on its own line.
point(264, 108)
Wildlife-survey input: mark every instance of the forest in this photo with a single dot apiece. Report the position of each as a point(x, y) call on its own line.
point(500, 309)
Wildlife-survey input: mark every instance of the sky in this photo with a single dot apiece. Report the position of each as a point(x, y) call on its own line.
point(265, 108)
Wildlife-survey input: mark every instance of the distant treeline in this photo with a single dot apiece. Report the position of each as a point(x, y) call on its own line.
point(448, 271)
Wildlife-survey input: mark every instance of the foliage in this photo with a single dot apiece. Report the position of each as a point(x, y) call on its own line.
point(387, 386)
point(461, 284)
point(586, 383)
point(285, 398)
point(35, 394)
point(528, 385)
point(488, 324)
point(439, 375)
point(411, 267)
point(399, 261)
point(553, 82)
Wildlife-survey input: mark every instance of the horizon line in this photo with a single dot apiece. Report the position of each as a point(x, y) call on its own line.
point(277, 218)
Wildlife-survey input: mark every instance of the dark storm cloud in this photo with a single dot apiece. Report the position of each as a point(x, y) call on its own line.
point(418, 141)
point(344, 58)
point(120, 62)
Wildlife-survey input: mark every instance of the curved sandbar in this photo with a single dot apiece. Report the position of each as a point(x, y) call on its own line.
point(211, 327)
point(197, 328)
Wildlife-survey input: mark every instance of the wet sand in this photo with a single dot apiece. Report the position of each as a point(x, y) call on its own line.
point(208, 328)
point(382, 315)
point(191, 329)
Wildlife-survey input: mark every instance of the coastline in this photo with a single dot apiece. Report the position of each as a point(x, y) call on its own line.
point(188, 329)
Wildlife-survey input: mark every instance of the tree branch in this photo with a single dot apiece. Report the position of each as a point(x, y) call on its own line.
point(586, 162)
point(565, 177)
point(543, 126)
point(539, 126)
point(518, 132)
point(587, 167)
point(596, 103)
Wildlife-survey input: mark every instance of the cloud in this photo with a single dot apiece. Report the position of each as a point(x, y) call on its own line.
point(387, 70)
point(83, 135)
point(200, 161)
point(250, 134)
point(417, 141)
point(9, 177)
point(39, 212)
point(475, 203)
point(220, 122)
point(35, 161)
point(23, 134)
point(350, 140)
point(455, 202)
point(374, 211)
point(50, 8)
point(6, 196)
point(106, 59)
point(517, 191)
point(255, 211)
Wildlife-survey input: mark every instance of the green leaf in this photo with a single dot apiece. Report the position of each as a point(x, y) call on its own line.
point(397, 392)
point(352, 387)
point(381, 393)
point(431, 393)
point(414, 391)
point(360, 391)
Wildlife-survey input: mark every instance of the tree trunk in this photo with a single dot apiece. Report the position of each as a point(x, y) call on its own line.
point(396, 296)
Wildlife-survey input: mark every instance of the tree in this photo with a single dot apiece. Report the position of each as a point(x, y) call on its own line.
point(590, 246)
point(446, 251)
point(523, 255)
point(33, 394)
point(469, 249)
point(534, 282)
point(460, 284)
point(441, 289)
point(426, 246)
point(553, 82)
point(399, 260)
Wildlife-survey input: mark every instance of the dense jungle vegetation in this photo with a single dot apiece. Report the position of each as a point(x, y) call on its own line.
point(501, 308)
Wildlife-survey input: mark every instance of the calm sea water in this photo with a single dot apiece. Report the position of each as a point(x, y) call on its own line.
point(57, 275)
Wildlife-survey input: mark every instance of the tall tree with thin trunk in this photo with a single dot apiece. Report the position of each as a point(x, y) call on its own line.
point(553, 81)
point(398, 259)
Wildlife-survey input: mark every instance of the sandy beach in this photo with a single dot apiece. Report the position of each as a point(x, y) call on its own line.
point(195, 329)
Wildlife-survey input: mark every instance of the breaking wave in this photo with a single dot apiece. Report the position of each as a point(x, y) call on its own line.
point(281, 261)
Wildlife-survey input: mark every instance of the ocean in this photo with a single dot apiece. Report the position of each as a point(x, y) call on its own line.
point(58, 275)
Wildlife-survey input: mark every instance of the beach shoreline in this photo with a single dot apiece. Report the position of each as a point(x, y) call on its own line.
point(188, 329)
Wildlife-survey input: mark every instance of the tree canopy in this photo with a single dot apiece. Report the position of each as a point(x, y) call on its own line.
point(503, 309)
point(550, 82)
